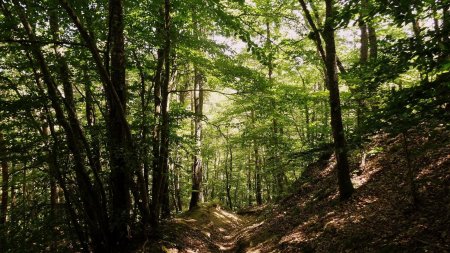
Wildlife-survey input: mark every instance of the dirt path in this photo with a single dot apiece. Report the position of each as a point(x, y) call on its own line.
point(222, 227)
point(207, 229)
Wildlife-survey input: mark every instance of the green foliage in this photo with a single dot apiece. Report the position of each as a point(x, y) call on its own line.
point(266, 111)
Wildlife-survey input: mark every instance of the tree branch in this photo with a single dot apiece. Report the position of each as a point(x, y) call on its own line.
point(42, 42)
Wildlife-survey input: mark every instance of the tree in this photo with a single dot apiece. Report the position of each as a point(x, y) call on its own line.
point(197, 172)
point(5, 179)
point(340, 146)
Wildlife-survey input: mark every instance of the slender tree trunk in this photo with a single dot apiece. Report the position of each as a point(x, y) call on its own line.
point(52, 166)
point(156, 140)
point(363, 56)
point(364, 49)
point(314, 29)
point(120, 145)
point(5, 180)
point(162, 79)
point(197, 166)
point(249, 181)
point(373, 42)
point(143, 181)
point(57, 174)
point(69, 102)
point(95, 217)
point(412, 188)
point(258, 178)
point(91, 121)
point(318, 34)
point(177, 188)
point(164, 155)
point(228, 175)
point(345, 184)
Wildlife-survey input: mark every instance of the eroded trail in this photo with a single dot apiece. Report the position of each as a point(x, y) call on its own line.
point(379, 217)
point(223, 228)
point(206, 229)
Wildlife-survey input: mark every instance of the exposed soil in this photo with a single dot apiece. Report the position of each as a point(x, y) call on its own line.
point(380, 217)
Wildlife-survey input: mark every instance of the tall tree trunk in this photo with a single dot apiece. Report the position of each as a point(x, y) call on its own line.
point(144, 131)
point(314, 29)
point(95, 217)
point(69, 102)
point(162, 79)
point(413, 198)
point(197, 166)
point(165, 131)
point(249, 181)
point(363, 55)
point(317, 34)
point(91, 121)
point(364, 49)
point(345, 184)
point(5, 180)
point(228, 175)
point(258, 178)
point(120, 145)
point(373, 42)
point(52, 166)
point(57, 174)
point(177, 187)
point(156, 140)
point(275, 153)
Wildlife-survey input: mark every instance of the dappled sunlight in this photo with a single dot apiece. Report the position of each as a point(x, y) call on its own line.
point(367, 200)
point(329, 168)
point(362, 179)
point(432, 166)
point(295, 237)
point(226, 217)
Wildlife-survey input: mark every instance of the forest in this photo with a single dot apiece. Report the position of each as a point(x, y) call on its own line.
point(225, 126)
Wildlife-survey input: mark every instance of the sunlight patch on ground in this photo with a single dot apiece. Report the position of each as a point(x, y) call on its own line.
point(295, 237)
point(227, 215)
point(253, 251)
point(429, 169)
point(366, 201)
point(329, 168)
point(359, 181)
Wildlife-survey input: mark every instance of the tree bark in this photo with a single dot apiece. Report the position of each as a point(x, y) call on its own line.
point(95, 217)
point(165, 131)
point(258, 178)
point(160, 192)
point(344, 182)
point(156, 140)
point(317, 36)
point(5, 180)
point(364, 49)
point(249, 181)
point(197, 166)
point(373, 43)
point(120, 144)
point(228, 176)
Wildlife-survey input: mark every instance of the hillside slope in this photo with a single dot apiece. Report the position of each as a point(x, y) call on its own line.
point(380, 217)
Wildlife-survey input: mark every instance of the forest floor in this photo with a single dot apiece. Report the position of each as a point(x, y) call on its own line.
point(379, 217)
